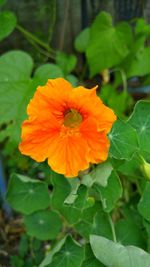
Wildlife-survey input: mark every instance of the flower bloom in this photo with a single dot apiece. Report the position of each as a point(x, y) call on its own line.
point(68, 126)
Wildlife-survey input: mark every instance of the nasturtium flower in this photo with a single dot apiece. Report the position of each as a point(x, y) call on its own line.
point(68, 126)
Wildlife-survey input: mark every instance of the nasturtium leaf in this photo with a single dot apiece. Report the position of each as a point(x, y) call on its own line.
point(140, 64)
point(128, 233)
point(15, 66)
point(144, 204)
point(66, 62)
point(27, 195)
point(98, 175)
point(142, 27)
point(131, 169)
point(107, 45)
point(23, 245)
point(116, 255)
point(15, 91)
point(111, 193)
point(81, 41)
point(61, 189)
point(94, 220)
point(119, 102)
point(90, 260)
point(50, 255)
point(147, 227)
point(84, 226)
point(8, 22)
point(73, 80)
point(74, 183)
point(101, 225)
point(101, 173)
point(71, 254)
point(73, 212)
point(123, 141)
point(140, 121)
point(45, 72)
point(43, 225)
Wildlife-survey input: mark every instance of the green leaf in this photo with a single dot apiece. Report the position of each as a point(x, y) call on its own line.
point(23, 245)
point(47, 71)
point(75, 183)
point(16, 261)
point(111, 193)
point(140, 120)
point(62, 189)
point(144, 203)
point(73, 80)
point(131, 169)
point(15, 91)
point(15, 66)
point(140, 64)
point(2, 2)
point(50, 255)
point(128, 233)
point(142, 28)
point(71, 254)
point(119, 102)
point(93, 220)
point(107, 45)
point(43, 225)
point(90, 260)
point(101, 225)
point(27, 195)
point(81, 41)
point(101, 173)
point(123, 140)
point(8, 22)
point(66, 62)
point(73, 212)
point(115, 255)
point(85, 225)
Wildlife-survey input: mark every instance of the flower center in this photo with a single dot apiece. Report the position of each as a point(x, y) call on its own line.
point(72, 118)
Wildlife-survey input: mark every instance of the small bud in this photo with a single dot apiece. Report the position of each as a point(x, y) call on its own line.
point(91, 201)
point(146, 169)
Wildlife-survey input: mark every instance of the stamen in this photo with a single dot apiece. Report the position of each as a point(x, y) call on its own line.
point(72, 118)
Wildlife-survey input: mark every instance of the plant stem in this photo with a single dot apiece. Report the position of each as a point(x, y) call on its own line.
point(64, 24)
point(40, 50)
point(112, 227)
point(35, 39)
point(123, 76)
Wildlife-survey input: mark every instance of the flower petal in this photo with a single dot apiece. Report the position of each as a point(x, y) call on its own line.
point(98, 142)
point(50, 99)
point(68, 155)
point(37, 137)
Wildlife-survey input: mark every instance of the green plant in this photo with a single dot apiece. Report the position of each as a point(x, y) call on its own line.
point(100, 218)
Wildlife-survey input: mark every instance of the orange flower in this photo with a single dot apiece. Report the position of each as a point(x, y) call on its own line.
point(68, 126)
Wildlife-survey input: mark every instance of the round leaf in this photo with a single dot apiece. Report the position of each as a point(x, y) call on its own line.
point(43, 225)
point(144, 204)
point(107, 45)
point(45, 72)
point(123, 140)
point(114, 254)
point(70, 255)
point(140, 120)
point(27, 195)
point(82, 40)
point(8, 22)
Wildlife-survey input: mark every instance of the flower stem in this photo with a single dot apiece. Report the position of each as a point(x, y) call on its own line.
point(36, 40)
point(112, 227)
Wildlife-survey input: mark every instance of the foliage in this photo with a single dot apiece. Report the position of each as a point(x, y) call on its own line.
point(100, 218)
